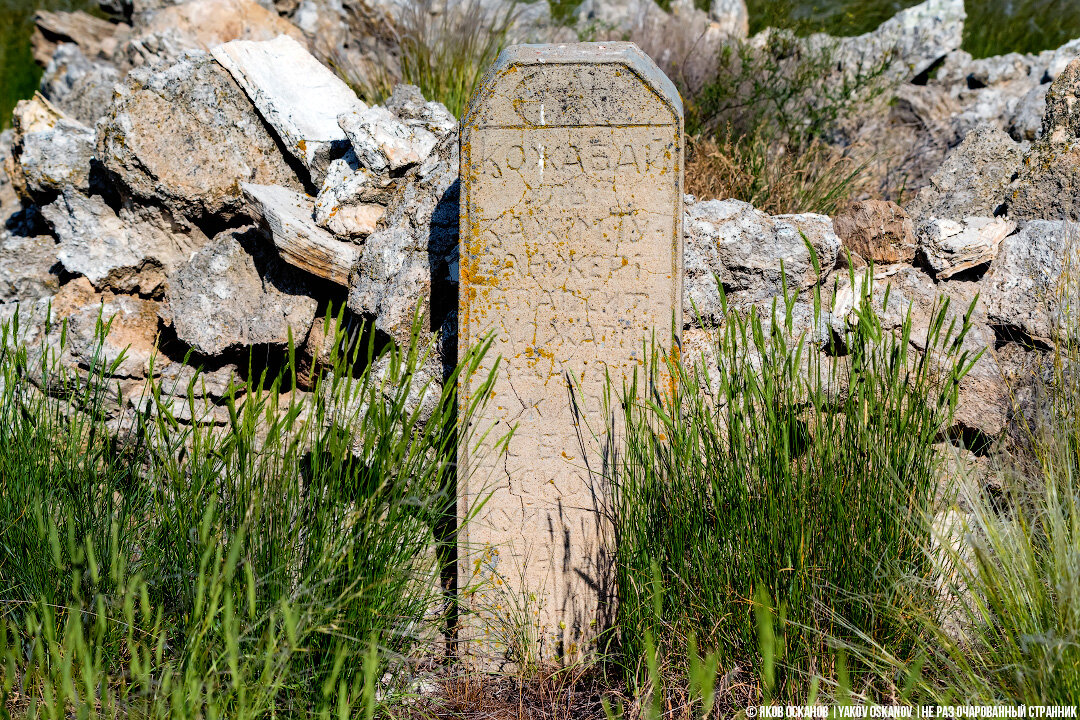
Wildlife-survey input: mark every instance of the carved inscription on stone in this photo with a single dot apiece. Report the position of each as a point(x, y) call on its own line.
point(571, 256)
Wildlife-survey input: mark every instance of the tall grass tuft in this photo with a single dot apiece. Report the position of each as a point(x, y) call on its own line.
point(770, 176)
point(778, 479)
point(445, 55)
point(1004, 626)
point(442, 48)
point(279, 564)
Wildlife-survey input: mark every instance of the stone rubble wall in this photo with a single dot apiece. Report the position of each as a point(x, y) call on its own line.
point(196, 171)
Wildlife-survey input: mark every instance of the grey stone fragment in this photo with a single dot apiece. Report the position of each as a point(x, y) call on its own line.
point(984, 394)
point(408, 104)
point(287, 216)
point(908, 43)
point(26, 267)
point(745, 248)
point(685, 41)
point(296, 94)
point(57, 157)
point(1025, 122)
point(165, 30)
point(81, 87)
point(731, 15)
point(233, 294)
point(1047, 185)
point(133, 251)
point(177, 378)
point(973, 179)
point(186, 136)
point(412, 260)
point(950, 247)
point(352, 199)
point(1020, 289)
point(10, 203)
point(384, 143)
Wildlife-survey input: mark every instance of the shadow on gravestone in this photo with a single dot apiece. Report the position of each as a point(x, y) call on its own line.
point(571, 255)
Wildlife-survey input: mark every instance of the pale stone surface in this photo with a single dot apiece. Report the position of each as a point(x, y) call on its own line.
point(973, 179)
point(184, 135)
point(130, 251)
point(411, 262)
point(132, 337)
point(58, 157)
point(26, 267)
point(571, 255)
point(95, 36)
point(1021, 290)
point(233, 293)
point(296, 94)
point(950, 247)
point(1047, 184)
point(745, 248)
point(382, 142)
point(165, 32)
point(912, 40)
point(352, 198)
point(287, 216)
point(77, 85)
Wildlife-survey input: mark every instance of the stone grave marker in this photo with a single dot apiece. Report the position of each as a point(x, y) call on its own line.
point(571, 255)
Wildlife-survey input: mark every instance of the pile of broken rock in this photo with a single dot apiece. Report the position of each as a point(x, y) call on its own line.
point(221, 200)
point(224, 201)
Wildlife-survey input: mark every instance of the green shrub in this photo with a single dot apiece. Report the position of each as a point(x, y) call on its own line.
point(779, 473)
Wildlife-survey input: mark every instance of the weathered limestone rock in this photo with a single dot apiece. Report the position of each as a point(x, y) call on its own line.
point(352, 200)
point(96, 37)
point(132, 335)
point(409, 105)
point(1007, 91)
point(57, 157)
point(384, 143)
point(287, 217)
point(950, 247)
point(745, 248)
point(185, 135)
point(1020, 287)
point(912, 40)
point(729, 17)
point(683, 38)
point(36, 115)
point(232, 294)
point(1047, 185)
point(9, 198)
point(81, 87)
point(571, 255)
point(133, 251)
point(296, 94)
point(973, 179)
point(25, 267)
point(411, 262)
point(984, 394)
point(877, 230)
point(165, 32)
point(213, 385)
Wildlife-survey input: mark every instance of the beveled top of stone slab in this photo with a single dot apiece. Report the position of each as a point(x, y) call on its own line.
point(613, 83)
